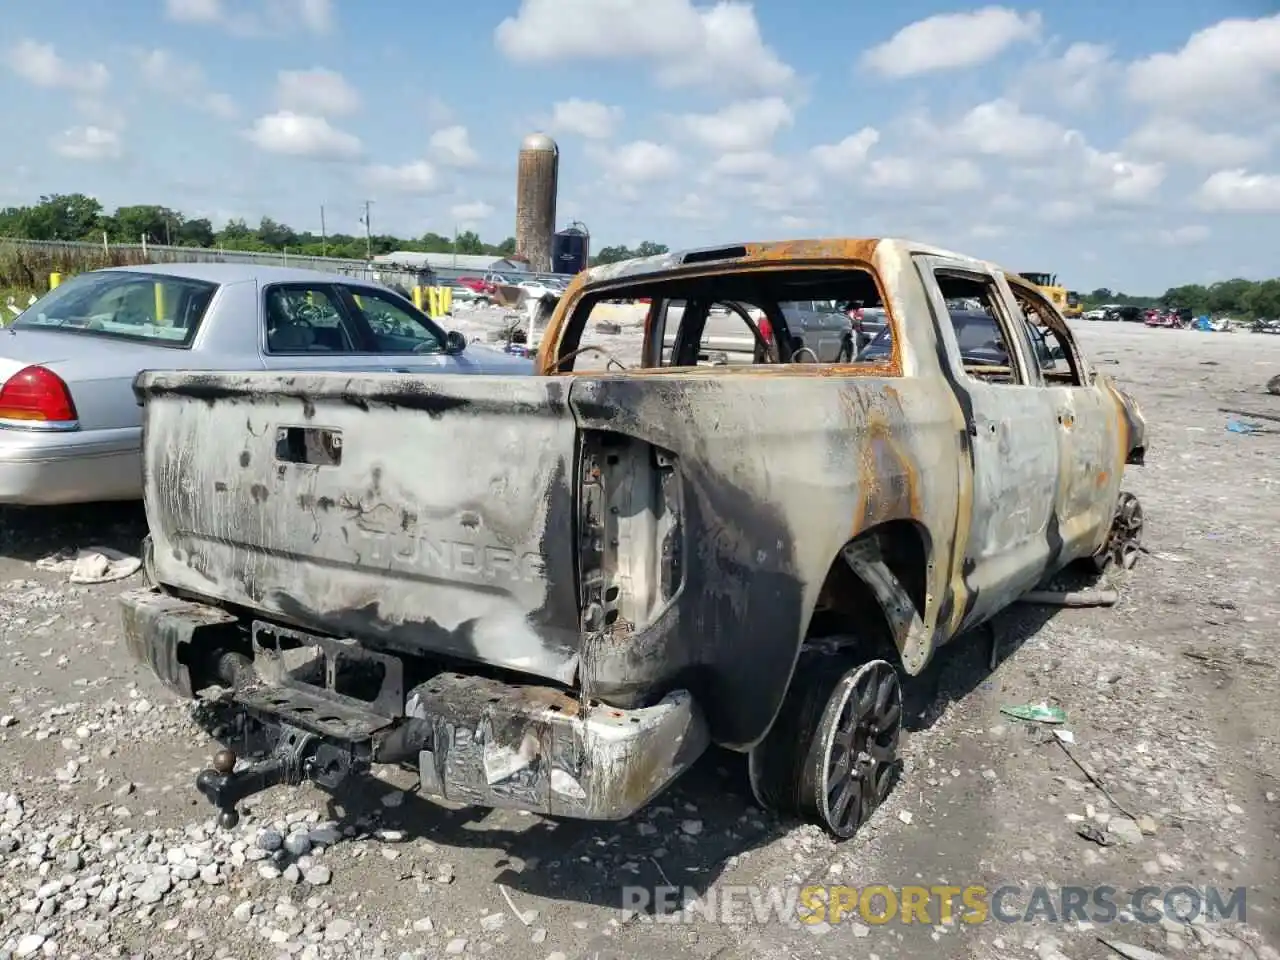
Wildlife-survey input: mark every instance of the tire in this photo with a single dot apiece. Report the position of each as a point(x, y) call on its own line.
point(1273, 385)
point(832, 755)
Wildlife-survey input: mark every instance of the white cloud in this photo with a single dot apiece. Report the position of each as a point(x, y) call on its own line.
point(586, 118)
point(950, 41)
point(1113, 177)
point(999, 128)
point(696, 208)
point(1066, 211)
point(276, 16)
point(220, 105)
point(194, 11)
point(185, 81)
point(316, 15)
point(318, 92)
point(40, 65)
point(718, 46)
point(301, 135)
point(903, 174)
point(1180, 141)
point(1239, 191)
point(783, 192)
point(847, 156)
point(739, 127)
point(471, 213)
point(1043, 151)
point(452, 147)
point(418, 176)
point(748, 163)
point(1075, 79)
point(638, 162)
point(1183, 236)
point(88, 143)
point(1226, 67)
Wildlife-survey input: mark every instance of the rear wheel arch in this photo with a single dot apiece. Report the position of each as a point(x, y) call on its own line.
point(873, 600)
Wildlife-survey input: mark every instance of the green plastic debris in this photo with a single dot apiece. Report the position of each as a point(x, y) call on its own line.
point(1036, 713)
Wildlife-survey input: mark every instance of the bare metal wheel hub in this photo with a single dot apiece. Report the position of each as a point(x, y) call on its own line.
point(1124, 542)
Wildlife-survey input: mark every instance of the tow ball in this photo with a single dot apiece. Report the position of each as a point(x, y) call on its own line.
point(298, 757)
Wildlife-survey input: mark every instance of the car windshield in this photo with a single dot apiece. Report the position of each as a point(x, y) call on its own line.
point(151, 307)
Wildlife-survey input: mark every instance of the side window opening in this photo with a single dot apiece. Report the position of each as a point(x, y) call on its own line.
point(980, 327)
point(1059, 362)
point(394, 325)
point(301, 319)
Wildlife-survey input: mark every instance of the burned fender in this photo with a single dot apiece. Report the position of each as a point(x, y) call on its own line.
point(1137, 429)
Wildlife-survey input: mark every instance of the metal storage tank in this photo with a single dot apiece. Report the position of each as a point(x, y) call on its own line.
point(571, 249)
point(536, 184)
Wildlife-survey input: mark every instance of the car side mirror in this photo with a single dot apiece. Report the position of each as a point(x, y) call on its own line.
point(454, 343)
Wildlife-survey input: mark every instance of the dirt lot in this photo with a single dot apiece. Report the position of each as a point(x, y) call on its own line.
point(1170, 699)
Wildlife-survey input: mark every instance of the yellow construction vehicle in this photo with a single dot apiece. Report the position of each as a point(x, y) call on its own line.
point(1067, 303)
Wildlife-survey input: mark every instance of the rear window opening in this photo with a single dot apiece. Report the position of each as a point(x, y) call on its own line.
point(746, 317)
point(146, 307)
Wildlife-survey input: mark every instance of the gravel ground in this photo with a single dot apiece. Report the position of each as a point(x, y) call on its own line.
point(1170, 697)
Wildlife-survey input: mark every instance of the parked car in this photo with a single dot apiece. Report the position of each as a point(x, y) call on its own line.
point(552, 593)
point(537, 289)
point(70, 426)
point(1129, 314)
point(732, 335)
point(476, 284)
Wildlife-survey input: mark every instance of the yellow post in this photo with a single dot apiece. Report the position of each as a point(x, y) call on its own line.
point(159, 303)
point(417, 298)
point(446, 299)
point(433, 302)
point(54, 280)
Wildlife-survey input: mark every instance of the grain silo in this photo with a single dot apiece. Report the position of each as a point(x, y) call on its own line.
point(536, 183)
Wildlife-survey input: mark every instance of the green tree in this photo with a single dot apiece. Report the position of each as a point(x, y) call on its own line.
point(276, 236)
point(58, 216)
point(158, 224)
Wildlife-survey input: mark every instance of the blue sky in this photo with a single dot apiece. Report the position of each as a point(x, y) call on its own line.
point(1117, 144)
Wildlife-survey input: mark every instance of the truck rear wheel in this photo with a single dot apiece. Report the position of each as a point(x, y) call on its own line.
point(832, 755)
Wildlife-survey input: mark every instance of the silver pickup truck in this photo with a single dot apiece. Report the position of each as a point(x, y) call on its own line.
point(552, 592)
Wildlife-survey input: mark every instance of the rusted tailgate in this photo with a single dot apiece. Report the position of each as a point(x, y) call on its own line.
point(426, 514)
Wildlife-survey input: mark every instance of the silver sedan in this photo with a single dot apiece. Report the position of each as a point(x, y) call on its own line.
point(70, 427)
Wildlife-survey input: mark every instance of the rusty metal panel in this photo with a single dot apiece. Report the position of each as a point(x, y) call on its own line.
point(422, 514)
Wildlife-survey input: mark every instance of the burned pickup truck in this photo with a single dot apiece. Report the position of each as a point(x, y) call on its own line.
point(553, 592)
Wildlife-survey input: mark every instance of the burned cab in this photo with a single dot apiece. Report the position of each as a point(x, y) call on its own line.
point(553, 592)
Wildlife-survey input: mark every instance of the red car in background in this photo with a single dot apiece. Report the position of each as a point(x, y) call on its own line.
point(478, 284)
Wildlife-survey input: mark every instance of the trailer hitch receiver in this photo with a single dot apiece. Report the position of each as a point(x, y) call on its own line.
point(298, 757)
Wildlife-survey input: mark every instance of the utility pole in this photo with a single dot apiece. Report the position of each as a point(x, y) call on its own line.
point(368, 232)
point(455, 246)
point(324, 236)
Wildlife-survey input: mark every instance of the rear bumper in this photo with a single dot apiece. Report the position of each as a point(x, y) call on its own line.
point(474, 740)
point(49, 469)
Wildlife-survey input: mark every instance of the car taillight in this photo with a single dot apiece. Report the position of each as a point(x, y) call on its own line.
point(765, 328)
point(36, 394)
